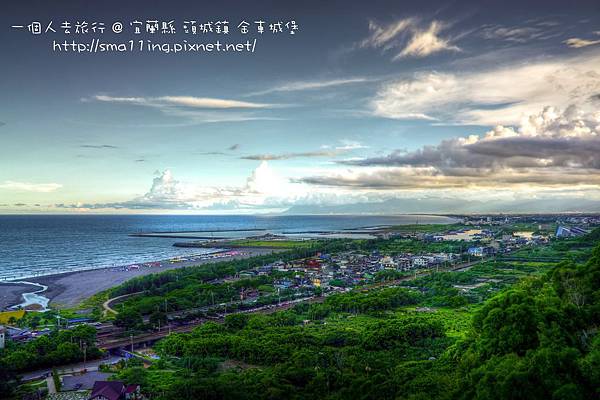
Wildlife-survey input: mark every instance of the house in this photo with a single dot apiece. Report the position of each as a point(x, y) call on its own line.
point(421, 261)
point(403, 263)
point(115, 390)
point(481, 251)
point(570, 231)
point(387, 262)
point(18, 334)
point(283, 284)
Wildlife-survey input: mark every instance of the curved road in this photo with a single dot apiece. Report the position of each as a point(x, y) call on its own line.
point(107, 304)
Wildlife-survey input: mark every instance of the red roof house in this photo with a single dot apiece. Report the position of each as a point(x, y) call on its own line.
point(114, 390)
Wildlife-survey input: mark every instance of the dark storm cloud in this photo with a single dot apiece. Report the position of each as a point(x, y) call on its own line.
point(556, 152)
point(449, 153)
point(288, 156)
point(550, 149)
point(398, 179)
point(453, 156)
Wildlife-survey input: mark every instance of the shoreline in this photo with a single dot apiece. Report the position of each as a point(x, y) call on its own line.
point(33, 299)
point(69, 289)
point(11, 293)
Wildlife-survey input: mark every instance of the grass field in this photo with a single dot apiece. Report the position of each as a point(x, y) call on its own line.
point(6, 316)
point(283, 244)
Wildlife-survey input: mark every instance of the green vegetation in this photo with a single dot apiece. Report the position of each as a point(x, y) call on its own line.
point(203, 286)
point(512, 329)
point(576, 250)
point(426, 228)
point(521, 326)
point(56, 379)
point(538, 339)
point(347, 338)
point(32, 389)
point(182, 277)
point(398, 246)
point(275, 244)
point(56, 348)
point(48, 319)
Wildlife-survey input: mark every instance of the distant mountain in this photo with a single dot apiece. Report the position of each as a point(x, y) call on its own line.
point(452, 206)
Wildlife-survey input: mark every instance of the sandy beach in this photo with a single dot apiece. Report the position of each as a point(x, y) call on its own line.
point(11, 294)
point(71, 288)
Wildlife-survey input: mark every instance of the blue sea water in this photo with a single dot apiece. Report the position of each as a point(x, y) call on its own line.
point(32, 245)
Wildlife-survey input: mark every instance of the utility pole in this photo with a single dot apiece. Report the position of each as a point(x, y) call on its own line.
point(84, 355)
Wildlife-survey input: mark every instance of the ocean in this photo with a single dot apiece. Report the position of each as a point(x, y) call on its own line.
point(34, 245)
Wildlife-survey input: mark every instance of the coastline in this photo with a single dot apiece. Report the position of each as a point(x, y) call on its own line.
point(69, 289)
point(11, 293)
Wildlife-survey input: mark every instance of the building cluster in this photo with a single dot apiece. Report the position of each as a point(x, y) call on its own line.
point(580, 220)
point(16, 334)
point(347, 268)
point(570, 231)
point(351, 268)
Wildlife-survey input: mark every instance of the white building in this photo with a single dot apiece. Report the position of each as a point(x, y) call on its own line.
point(422, 261)
point(387, 262)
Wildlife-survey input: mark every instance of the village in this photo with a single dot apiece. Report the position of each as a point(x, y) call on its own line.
point(349, 269)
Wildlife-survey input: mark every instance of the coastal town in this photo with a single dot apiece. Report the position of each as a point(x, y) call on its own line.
point(398, 257)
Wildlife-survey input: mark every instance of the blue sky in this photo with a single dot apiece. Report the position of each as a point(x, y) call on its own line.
point(367, 102)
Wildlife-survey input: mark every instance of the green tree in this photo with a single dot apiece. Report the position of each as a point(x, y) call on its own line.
point(129, 319)
point(158, 318)
point(236, 322)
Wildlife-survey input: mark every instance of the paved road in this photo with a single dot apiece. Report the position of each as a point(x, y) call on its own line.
point(107, 304)
point(90, 366)
point(50, 384)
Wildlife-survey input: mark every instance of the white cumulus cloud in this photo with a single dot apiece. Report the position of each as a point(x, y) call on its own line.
point(501, 95)
point(30, 187)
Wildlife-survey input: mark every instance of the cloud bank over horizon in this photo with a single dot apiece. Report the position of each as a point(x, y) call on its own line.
point(382, 108)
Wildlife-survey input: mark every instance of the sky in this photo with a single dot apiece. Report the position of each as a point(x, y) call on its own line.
point(362, 107)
